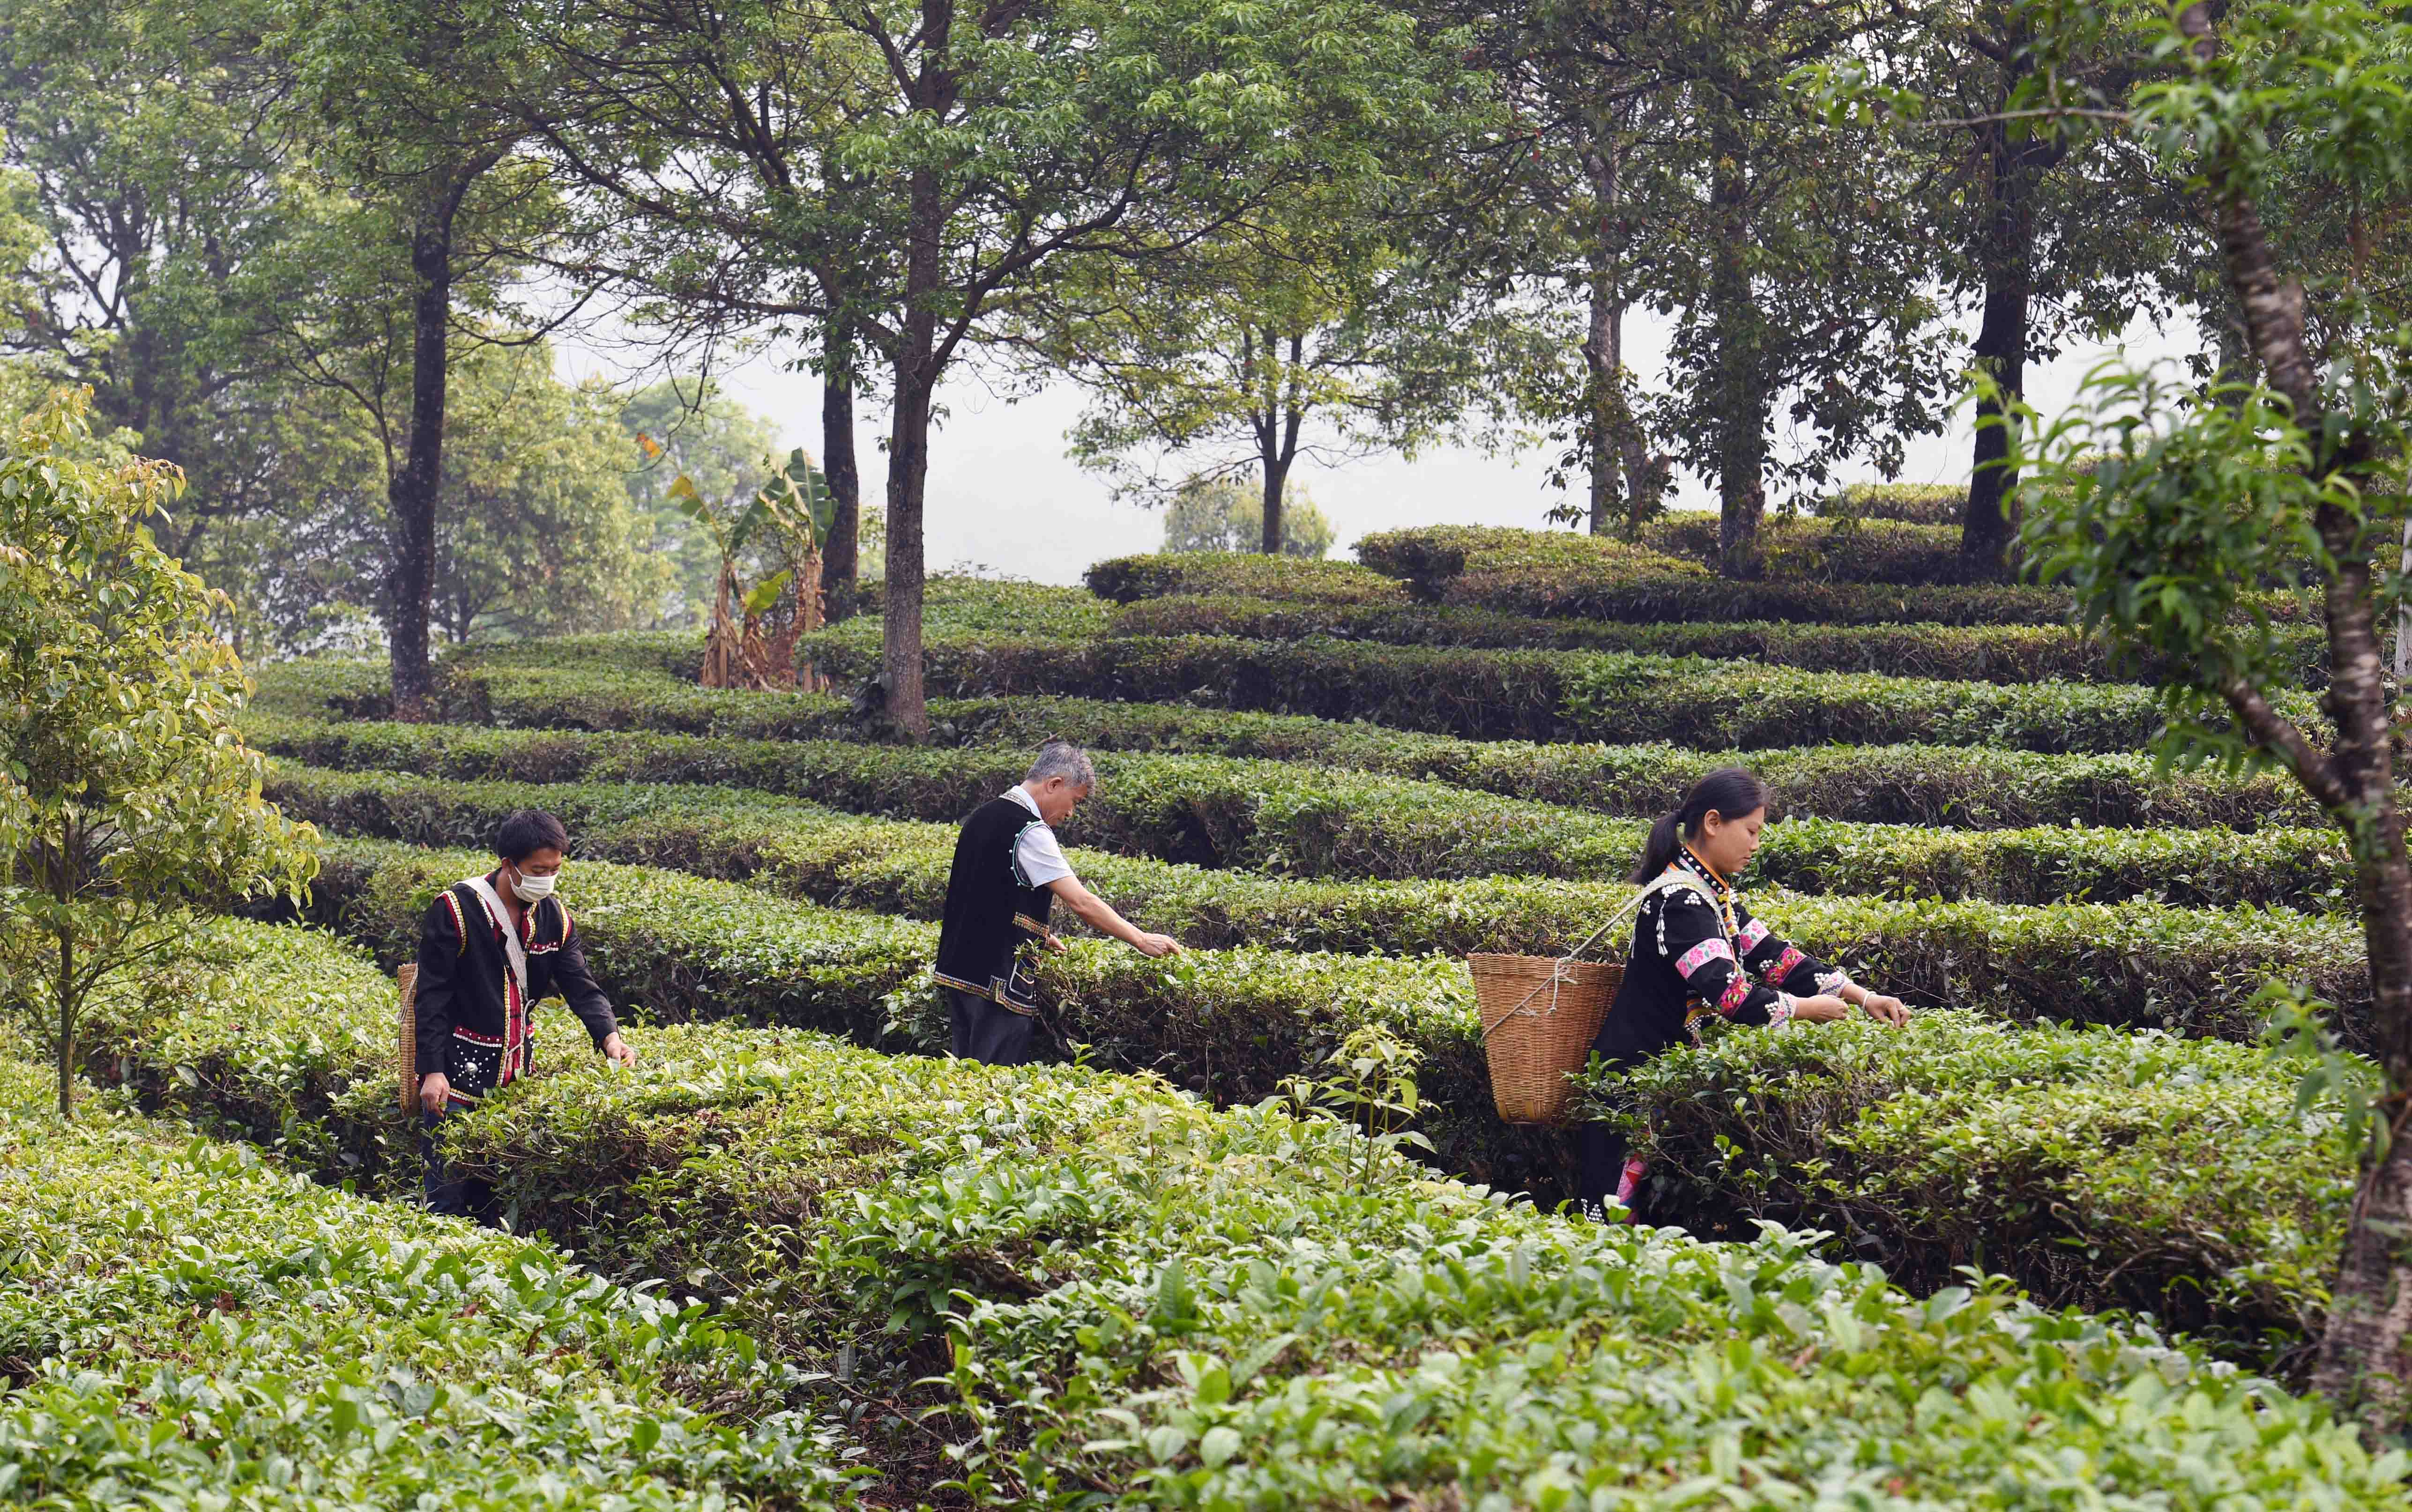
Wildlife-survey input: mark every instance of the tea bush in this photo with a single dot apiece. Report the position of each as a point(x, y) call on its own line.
point(2097, 1168)
point(1502, 694)
point(1128, 1296)
point(1962, 786)
point(1538, 573)
point(182, 1324)
point(1233, 1024)
point(1849, 549)
point(1125, 579)
point(1987, 653)
point(1308, 821)
point(1916, 504)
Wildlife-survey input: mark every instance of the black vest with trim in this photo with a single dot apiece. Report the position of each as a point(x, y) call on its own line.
point(992, 908)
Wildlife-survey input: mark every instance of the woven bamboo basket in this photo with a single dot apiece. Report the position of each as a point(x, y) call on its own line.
point(405, 1037)
point(1539, 1016)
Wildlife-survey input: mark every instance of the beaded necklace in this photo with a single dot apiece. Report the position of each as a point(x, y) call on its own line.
point(1725, 893)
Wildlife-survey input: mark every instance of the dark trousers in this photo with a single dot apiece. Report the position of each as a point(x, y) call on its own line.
point(463, 1197)
point(1602, 1167)
point(988, 1034)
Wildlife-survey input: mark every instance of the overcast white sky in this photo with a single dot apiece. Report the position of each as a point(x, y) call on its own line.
point(1003, 498)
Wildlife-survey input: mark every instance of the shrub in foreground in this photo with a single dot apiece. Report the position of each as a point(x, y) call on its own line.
point(185, 1326)
point(2095, 1167)
point(1132, 1298)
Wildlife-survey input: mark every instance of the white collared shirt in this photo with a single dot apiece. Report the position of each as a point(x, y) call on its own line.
point(1037, 855)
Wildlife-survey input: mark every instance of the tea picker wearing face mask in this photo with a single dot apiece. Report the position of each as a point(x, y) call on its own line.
point(1697, 953)
point(490, 948)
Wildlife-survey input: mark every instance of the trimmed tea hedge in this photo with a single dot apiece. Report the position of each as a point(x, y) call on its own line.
point(1962, 786)
point(2100, 1168)
point(1863, 550)
point(1307, 821)
point(1916, 504)
point(1987, 653)
point(181, 1325)
point(1546, 695)
point(1546, 573)
point(1125, 579)
point(1133, 1298)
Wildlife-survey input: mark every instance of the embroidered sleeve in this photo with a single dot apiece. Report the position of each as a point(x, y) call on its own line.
point(577, 988)
point(1691, 939)
point(441, 941)
point(1777, 963)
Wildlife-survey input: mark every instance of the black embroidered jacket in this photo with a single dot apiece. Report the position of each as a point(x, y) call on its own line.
point(472, 1025)
point(1693, 956)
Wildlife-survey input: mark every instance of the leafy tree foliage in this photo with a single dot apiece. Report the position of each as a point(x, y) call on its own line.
point(2164, 506)
point(125, 794)
point(1223, 516)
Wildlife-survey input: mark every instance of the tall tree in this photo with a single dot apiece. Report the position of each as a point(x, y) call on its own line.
point(1804, 269)
point(2059, 232)
point(986, 151)
point(126, 795)
point(2277, 112)
point(1310, 331)
point(140, 129)
point(411, 111)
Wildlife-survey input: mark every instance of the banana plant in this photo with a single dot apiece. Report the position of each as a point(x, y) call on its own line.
point(796, 504)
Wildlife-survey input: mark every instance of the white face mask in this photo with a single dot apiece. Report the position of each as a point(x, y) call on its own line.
point(533, 889)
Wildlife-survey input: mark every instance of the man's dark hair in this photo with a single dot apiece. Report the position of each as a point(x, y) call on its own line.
point(529, 830)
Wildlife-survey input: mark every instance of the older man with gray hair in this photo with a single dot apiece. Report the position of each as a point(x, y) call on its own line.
point(1009, 871)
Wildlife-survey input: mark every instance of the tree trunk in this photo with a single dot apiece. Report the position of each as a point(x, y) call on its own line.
point(411, 494)
point(1604, 349)
point(2008, 256)
point(908, 460)
point(1277, 437)
point(2365, 1358)
point(1604, 359)
point(1277, 484)
point(841, 562)
point(1741, 389)
point(67, 1024)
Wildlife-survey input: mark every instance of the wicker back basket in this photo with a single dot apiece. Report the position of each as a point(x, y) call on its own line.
point(1539, 1016)
point(405, 1037)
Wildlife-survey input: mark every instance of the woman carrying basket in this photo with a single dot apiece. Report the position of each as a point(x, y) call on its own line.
point(1696, 951)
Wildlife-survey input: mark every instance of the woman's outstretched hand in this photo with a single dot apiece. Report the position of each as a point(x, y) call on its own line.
point(1886, 1010)
point(1823, 1008)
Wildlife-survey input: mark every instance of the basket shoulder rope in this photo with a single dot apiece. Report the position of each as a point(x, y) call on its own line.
point(1667, 881)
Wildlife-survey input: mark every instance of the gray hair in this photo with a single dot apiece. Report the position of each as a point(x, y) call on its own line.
point(1062, 758)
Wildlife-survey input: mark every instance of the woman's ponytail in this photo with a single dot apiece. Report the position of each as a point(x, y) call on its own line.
point(1666, 839)
point(1729, 792)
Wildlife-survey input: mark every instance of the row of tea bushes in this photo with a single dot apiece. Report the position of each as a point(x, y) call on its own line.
point(1918, 503)
point(1230, 1025)
point(2188, 970)
point(1984, 652)
point(182, 1326)
point(1308, 821)
point(1133, 1300)
point(1963, 1141)
point(1969, 787)
point(1127, 580)
point(1815, 549)
point(1545, 694)
point(1554, 574)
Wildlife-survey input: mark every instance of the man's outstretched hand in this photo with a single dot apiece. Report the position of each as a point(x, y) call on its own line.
point(1156, 944)
point(616, 1050)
